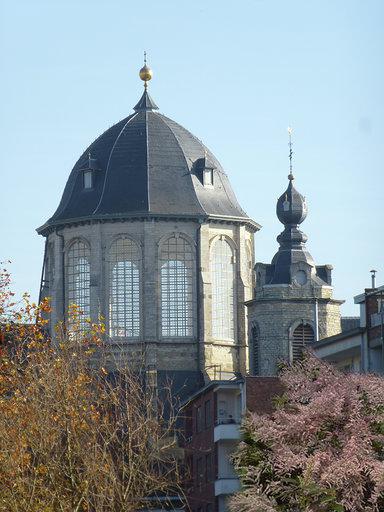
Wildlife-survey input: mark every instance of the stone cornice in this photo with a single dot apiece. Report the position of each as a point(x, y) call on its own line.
point(50, 227)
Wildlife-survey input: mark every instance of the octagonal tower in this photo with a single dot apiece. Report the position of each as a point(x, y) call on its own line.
point(150, 235)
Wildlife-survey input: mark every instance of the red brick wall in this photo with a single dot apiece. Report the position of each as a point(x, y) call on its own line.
point(260, 392)
point(200, 493)
point(197, 445)
point(371, 305)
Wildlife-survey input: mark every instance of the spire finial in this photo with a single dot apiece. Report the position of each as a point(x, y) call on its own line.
point(290, 176)
point(145, 102)
point(145, 72)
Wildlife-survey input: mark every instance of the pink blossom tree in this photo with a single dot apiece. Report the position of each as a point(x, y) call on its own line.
point(322, 450)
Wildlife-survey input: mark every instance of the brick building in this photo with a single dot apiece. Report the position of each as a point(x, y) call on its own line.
point(211, 433)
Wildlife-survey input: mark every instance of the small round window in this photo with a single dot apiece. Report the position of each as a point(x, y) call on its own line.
point(301, 277)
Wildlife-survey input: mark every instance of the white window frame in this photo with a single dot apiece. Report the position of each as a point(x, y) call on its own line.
point(78, 282)
point(88, 179)
point(177, 287)
point(224, 303)
point(208, 177)
point(124, 289)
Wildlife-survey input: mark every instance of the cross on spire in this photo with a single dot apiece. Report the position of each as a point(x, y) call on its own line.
point(290, 130)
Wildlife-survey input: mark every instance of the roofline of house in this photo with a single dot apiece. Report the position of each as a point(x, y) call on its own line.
point(336, 337)
point(211, 385)
point(359, 299)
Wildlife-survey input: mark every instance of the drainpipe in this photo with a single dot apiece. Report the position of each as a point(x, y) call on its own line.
point(243, 394)
point(316, 314)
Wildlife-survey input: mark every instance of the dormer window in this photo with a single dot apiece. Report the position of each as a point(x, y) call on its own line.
point(208, 177)
point(89, 170)
point(88, 178)
point(203, 169)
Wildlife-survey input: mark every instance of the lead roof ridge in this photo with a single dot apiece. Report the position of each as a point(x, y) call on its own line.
point(129, 119)
point(164, 119)
point(147, 154)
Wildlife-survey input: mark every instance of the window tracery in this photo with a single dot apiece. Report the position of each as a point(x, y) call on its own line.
point(177, 263)
point(78, 281)
point(223, 290)
point(124, 289)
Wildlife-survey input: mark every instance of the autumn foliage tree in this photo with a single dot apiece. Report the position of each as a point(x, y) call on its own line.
point(75, 436)
point(322, 450)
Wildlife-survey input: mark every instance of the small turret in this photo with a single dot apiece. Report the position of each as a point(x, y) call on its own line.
point(293, 304)
point(291, 210)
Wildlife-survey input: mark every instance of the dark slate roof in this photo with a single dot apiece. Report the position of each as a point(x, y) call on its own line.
point(349, 322)
point(291, 207)
point(146, 164)
point(291, 210)
point(145, 103)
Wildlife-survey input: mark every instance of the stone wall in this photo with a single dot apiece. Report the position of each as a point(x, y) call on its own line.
point(199, 351)
point(278, 310)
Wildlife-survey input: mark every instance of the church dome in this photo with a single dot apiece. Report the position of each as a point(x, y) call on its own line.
point(146, 165)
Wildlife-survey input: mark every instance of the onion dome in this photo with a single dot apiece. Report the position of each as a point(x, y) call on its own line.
point(146, 165)
point(293, 264)
point(291, 210)
point(291, 207)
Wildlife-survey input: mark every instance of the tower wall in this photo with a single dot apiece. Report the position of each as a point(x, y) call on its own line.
point(277, 316)
point(200, 352)
point(293, 303)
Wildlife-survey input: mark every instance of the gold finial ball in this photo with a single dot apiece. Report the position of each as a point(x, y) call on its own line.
point(145, 73)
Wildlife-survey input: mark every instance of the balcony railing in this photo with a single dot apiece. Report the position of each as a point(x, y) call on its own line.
point(226, 431)
point(226, 421)
point(226, 486)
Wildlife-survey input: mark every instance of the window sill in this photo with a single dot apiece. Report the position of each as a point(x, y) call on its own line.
point(178, 339)
point(123, 340)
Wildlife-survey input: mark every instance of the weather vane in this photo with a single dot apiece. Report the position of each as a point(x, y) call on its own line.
point(290, 130)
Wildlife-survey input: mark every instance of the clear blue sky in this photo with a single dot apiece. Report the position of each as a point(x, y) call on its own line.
point(236, 74)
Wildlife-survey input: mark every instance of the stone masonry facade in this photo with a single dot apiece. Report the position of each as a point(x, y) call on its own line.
point(199, 352)
point(278, 309)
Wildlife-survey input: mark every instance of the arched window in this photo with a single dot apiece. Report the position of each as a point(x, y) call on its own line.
point(124, 289)
point(302, 335)
point(223, 293)
point(255, 349)
point(78, 280)
point(177, 260)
